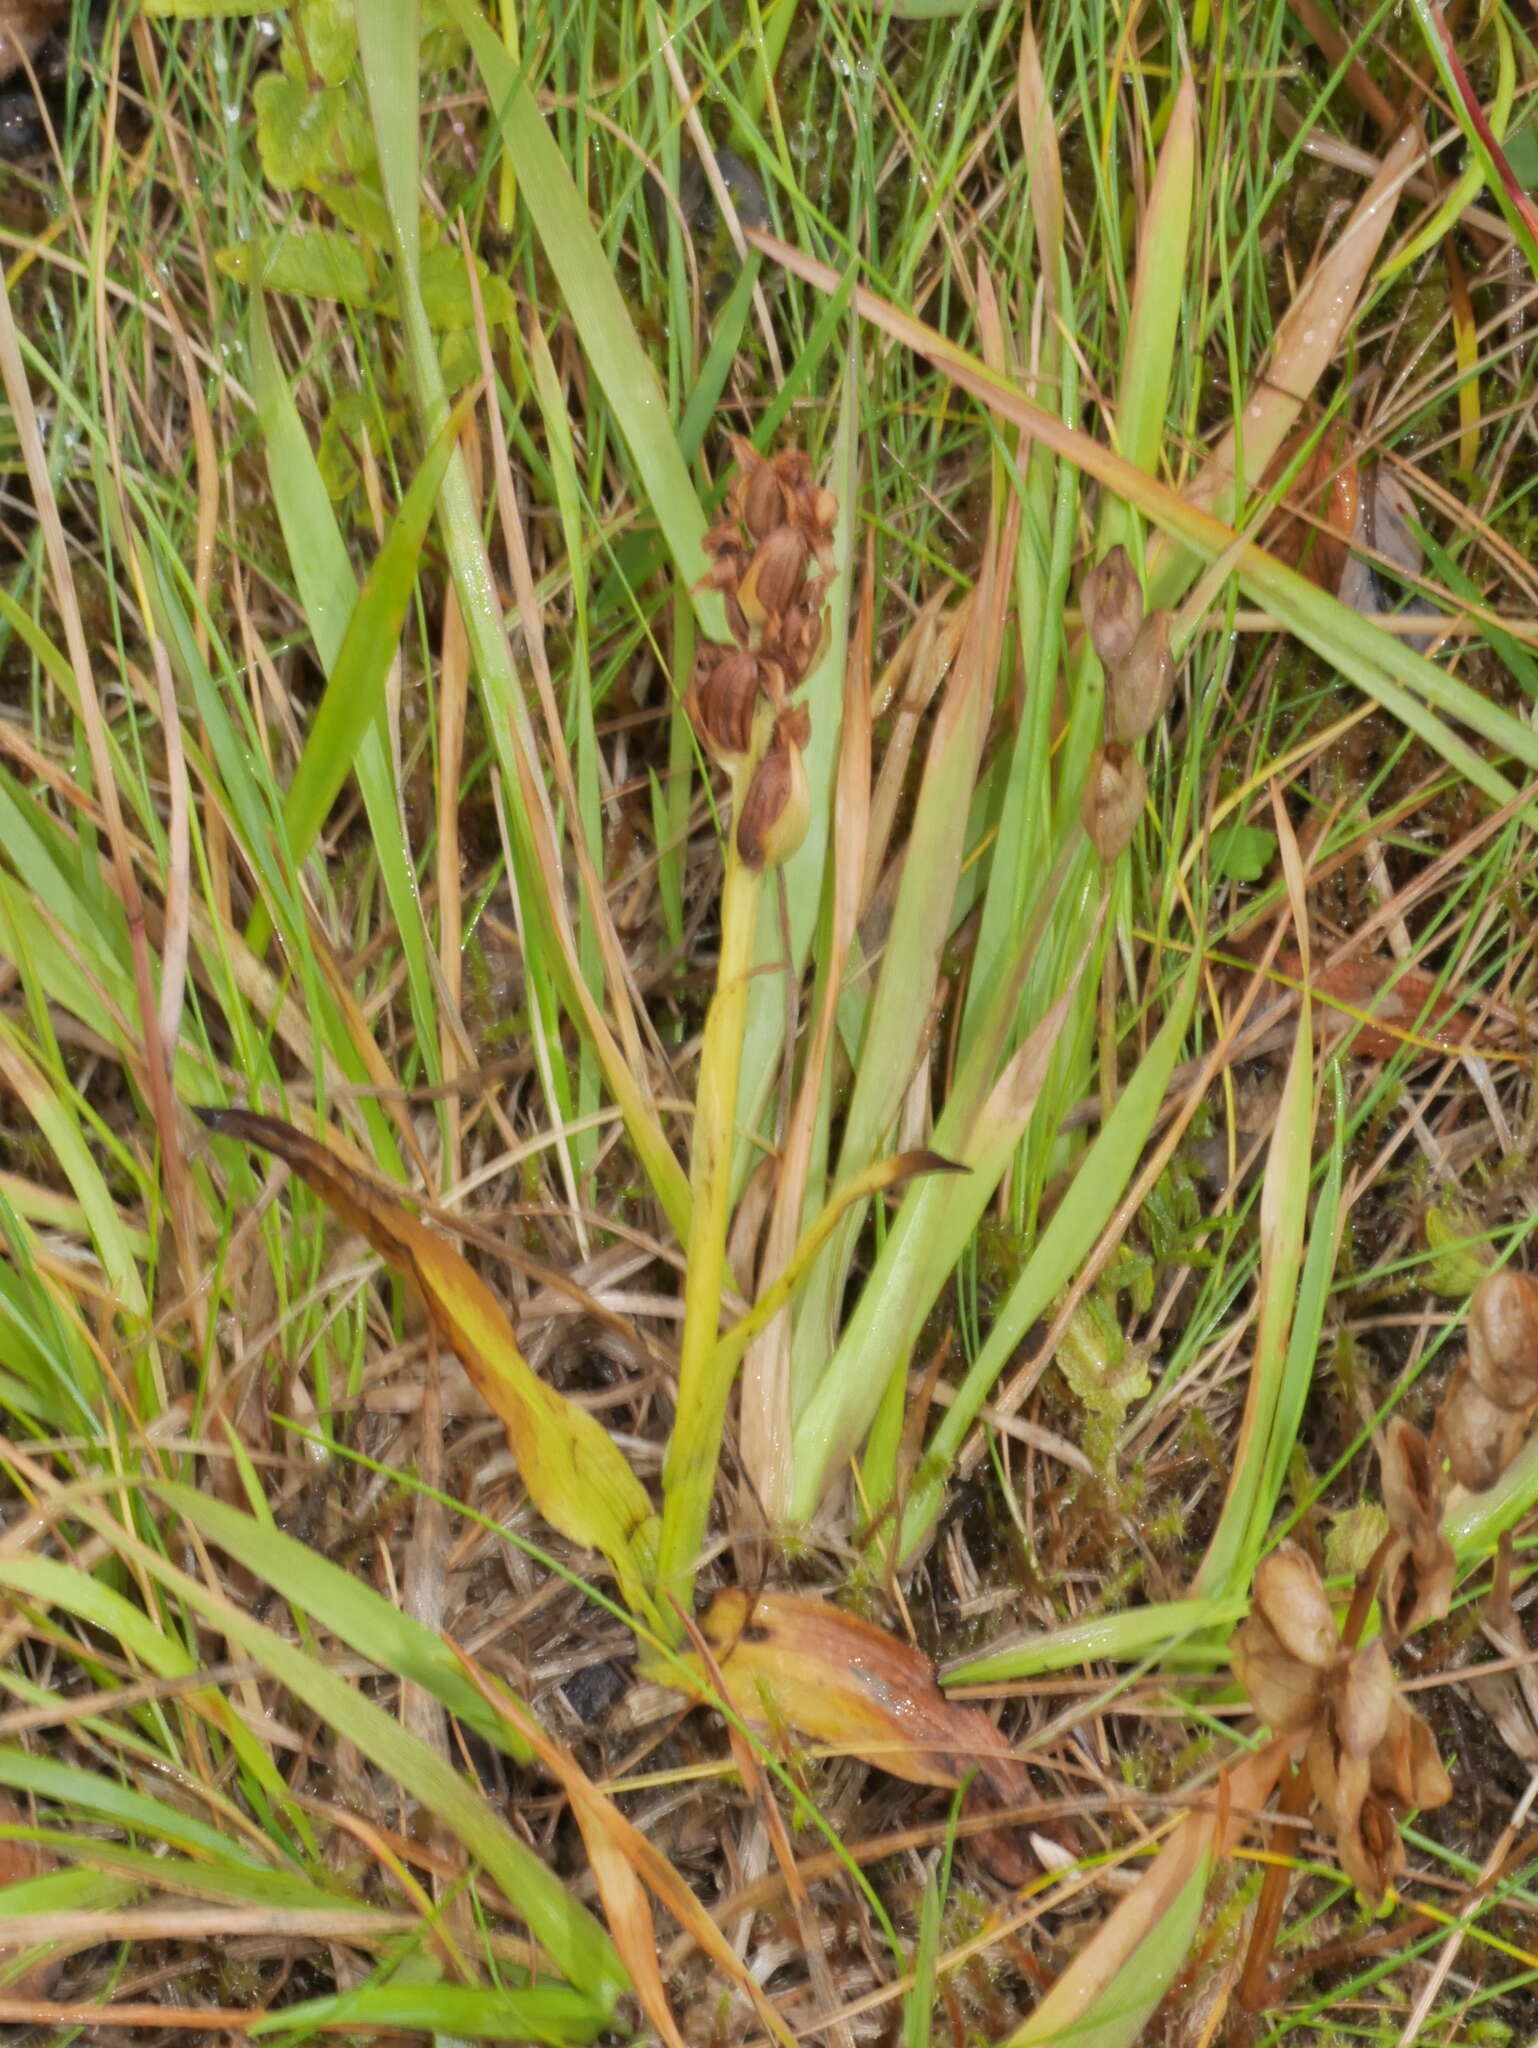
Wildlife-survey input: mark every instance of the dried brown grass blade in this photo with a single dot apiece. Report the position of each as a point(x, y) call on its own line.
point(609, 1835)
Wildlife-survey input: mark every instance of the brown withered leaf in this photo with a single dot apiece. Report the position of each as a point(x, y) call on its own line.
point(576, 1475)
point(1402, 1006)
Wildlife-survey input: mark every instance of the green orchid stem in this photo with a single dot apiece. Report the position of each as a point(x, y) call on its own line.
point(705, 1371)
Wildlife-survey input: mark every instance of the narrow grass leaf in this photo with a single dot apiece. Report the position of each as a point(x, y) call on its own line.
point(1108, 1993)
point(1101, 1179)
point(933, 1225)
point(1231, 1554)
point(575, 1942)
point(1148, 351)
point(576, 1476)
point(344, 1604)
point(354, 694)
point(1130, 1636)
point(597, 309)
point(885, 1174)
point(74, 1790)
point(551, 2013)
point(1405, 683)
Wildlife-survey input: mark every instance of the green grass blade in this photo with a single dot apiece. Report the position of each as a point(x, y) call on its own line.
point(354, 695)
point(1230, 1559)
point(351, 1610)
point(598, 311)
point(579, 1947)
point(1102, 1177)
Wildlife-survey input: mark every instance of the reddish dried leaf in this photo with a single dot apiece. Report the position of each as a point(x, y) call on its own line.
point(1410, 1012)
point(842, 1681)
point(1312, 532)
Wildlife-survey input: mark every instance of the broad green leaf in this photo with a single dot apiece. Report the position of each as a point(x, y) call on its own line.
point(314, 263)
point(1242, 853)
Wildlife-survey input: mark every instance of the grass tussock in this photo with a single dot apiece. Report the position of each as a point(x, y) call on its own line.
point(767, 785)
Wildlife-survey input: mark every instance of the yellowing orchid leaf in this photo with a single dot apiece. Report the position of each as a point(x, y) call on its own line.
point(576, 1477)
point(833, 1678)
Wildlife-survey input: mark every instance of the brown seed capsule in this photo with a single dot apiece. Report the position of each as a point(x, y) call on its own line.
point(775, 577)
point(762, 500)
point(724, 698)
point(1290, 1595)
point(1139, 688)
point(1112, 602)
point(1284, 1692)
point(777, 808)
point(1365, 1700)
point(1478, 1437)
point(1503, 1338)
point(1114, 796)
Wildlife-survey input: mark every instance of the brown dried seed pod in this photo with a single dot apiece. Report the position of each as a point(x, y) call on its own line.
point(1365, 1700)
point(1284, 1692)
point(777, 808)
point(1291, 1596)
point(1139, 688)
point(1503, 1338)
point(1478, 1436)
point(762, 499)
point(774, 578)
point(1112, 602)
point(725, 695)
point(1114, 795)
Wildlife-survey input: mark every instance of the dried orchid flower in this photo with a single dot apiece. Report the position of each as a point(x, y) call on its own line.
point(771, 553)
point(1112, 602)
point(1369, 1757)
point(1418, 1566)
point(1114, 795)
point(1488, 1408)
point(1138, 689)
